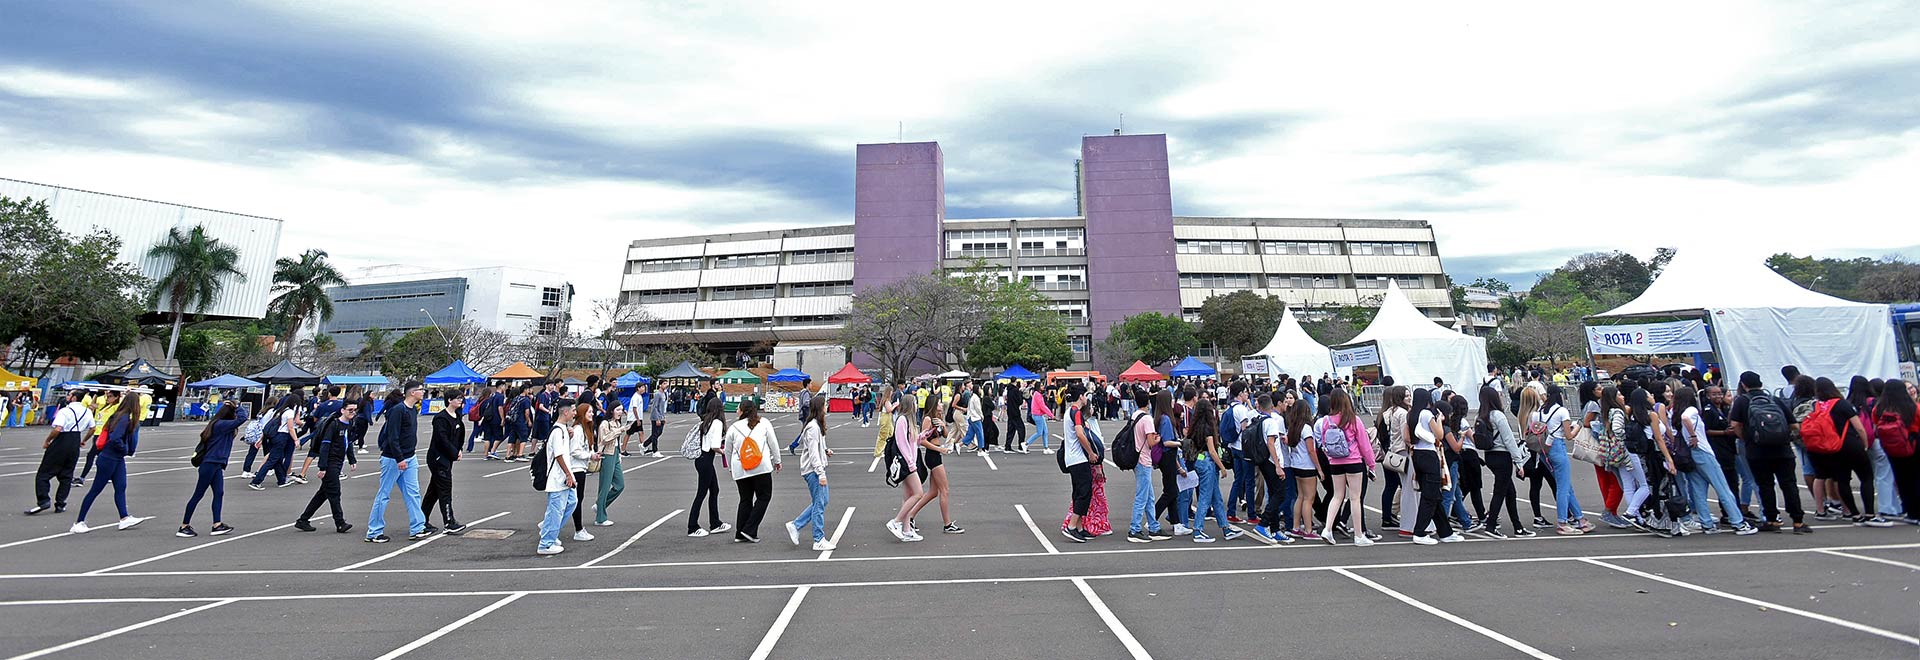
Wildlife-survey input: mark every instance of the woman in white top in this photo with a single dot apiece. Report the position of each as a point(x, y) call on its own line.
point(813, 470)
point(1560, 426)
point(1706, 468)
point(1634, 487)
point(1429, 470)
point(1506, 457)
point(713, 440)
point(1396, 417)
point(753, 452)
point(561, 501)
point(612, 434)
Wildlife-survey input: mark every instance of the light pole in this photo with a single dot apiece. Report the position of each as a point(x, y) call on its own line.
point(436, 327)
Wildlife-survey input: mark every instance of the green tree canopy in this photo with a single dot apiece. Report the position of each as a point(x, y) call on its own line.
point(196, 265)
point(1240, 322)
point(301, 287)
point(1037, 346)
point(1151, 337)
point(62, 295)
point(1887, 280)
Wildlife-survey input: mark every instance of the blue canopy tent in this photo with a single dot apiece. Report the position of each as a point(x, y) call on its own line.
point(375, 380)
point(630, 380)
point(788, 376)
point(457, 373)
point(1017, 372)
point(1190, 367)
point(228, 381)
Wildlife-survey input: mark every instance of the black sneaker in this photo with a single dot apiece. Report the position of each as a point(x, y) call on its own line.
point(378, 539)
point(59, 508)
point(186, 532)
point(953, 529)
point(1541, 523)
point(221, 529)
point(455, 528)
point(1073, 535)
point(422, 535)
point(1524, 533)
point(429, 530)
point(342, 528)
point(303, 525)
point(1802, 528)
point(1770, 526)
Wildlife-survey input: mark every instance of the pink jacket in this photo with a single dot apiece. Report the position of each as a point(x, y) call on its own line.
point(1357, 440)
point(906, 440)
point(1039, 405)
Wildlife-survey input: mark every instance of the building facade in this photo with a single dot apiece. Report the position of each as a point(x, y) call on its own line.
point(1125, 253)
point(520, 302)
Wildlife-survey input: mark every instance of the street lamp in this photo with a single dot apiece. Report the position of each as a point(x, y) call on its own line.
point(436, 326)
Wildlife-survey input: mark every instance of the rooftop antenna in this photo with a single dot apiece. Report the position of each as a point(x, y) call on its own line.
point(900, 134)
point(1123, 124)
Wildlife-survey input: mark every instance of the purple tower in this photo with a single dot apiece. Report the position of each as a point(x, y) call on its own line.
point(899, 203)
point(1128, 205)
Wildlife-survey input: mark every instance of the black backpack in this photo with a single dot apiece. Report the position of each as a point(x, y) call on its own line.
point(1484, 437)
point(540, 467)
point(1125, 455)
point(1636, 439)
point(1769, 420)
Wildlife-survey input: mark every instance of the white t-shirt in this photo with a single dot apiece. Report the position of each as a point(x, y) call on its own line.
point(560, 444)
point(1422, 431)
point(1242, 415)
point(1695, 430)
point(75, 417)
point(1071, 445)
point(1273, 426)
point(1297, 456)
point(1555, 418)
point(973, 408)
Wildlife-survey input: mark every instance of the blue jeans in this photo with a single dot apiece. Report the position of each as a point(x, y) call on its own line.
point(409, 482)
point(1747, 489)
point(1564, 503)
point(1453, 504)
point(1243, 477)
point(1886, 497)
point(1706, 472)
point(816, 513)
point(279, 459)
point(1207, 497)
point(976, 434)
point(560, 505)
point(866, 413)
point(1039, 431)
point(1143, 500)
point(1289, 494)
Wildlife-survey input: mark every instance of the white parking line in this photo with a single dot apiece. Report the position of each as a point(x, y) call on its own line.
point(186, 550)
point(456, 625)
point(837, 531)
point(1036, 530)
point(175, 469)
point(630, 541)
point(1515, 644)
point(4, 546)
point(512, 469)
point(1113, 622)
point(117, 631)
point(1909, 639)
point(1889, 562)
point(410, 546)
point(989, 461)
point(779, 625)
point(636, 467)
point(874, 464)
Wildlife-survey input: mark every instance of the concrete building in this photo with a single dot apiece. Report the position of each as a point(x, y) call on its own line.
point(1123, 254)
point(1483, 317)
point(517, 301)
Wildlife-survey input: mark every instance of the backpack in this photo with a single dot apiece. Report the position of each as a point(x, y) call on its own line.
point(690, 447)
point(1768, 419)
point(1484, 436)
point(1333, 440)
point(1537, 432)
point(1893, 435)
point(750, 452)
point(541, 465)
point(473, 413)
point(896, 465)
point(254, 430)
point(1229, 428)
point(1674, 499)
point(1681, 452)
point(1636, 438)
point(1818, 432)
point(1126, 455)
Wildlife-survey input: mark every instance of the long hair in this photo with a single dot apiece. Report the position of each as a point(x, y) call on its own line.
point(1206, 422)
point(1683, 398)
point(817, 409)
point(1609, 402)
point(394, 397)
point(1555, 396)
point(1588, 391)
point(227, 411)
point(128, 411)
point(1640, 406)
point(1529, 404)
point(1859, 390)
point(1459, 414)
point(1805, 388)
point(1340, 405)
point(1489, 402)
point(750, 412)
point(1162, 405)
point(1825, 390)
point(1394, 397)
point(1422, 400)
point(1895, 400)
point(1298, 417)
point(711, 414)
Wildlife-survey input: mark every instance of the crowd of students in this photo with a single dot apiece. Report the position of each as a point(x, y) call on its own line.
point(1671, 458)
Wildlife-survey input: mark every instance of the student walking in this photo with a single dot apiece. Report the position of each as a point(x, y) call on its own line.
point(1209, 461)
point(1763, 423)
point(1079, 457)
point(713, 441)
point(1264, 452)
point(557, 452)
point(934, 471)
point(1013, 402)
point(813, 470)
point(586, 438)
point(613, 480)
point(443, 449)
point(1037, 409)
point(906, 457)
point(117, 443)
point(1300, 458)
point(1430, 475)
point(1705, 472)
point(493, 420)
point(216, 444)
point(520, 421)
point(399, 440)
point(1506, 457)
point(331, 443)
point(283, 426)
point(1835, 438)
point(752, 453)
point(72, 425)
point(656, 420)
point(1896, 429)
point(1144, 527)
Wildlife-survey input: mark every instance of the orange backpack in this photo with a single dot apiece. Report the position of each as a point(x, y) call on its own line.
point(750, 453)
point(1818, 431)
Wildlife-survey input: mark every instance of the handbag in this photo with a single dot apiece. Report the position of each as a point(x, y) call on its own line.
point(1397, 462)
point(1585, 449)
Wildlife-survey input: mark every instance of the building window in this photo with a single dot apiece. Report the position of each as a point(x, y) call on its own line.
point(742, 292)
point(1055, 278)
point(1210, 247)
point(814, 320)
point(1054, 242)
point(1216, 281)
point(1190, 314)
point(523, 317)
point(549, 325)
point(820, 289)
point(1321, 248)
point(1303, 281)
point(978, 243)
point(664, 265)
point(551, 296)
point(820, 256)
point(1380, 281)
point(1082, 347)
point(518, 285)
point(1386, 249)
point(397, 296)
point(657, 296)
point(723, 323)
point(746, 260)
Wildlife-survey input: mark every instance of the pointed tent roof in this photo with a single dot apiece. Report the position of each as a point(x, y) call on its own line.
point(1399, 319)
point(1696, 279)
point(138, 371)
point(1293, 351)
point(517, 371)
point(631, 379)
point(227, 381)
point(849, 374)
point(1017, 372)
point(11, 381)
point(287, 373)
point(788, 376)
point(1192, 366)
point(454, 374)
point(685, 370)
point(1413, 348)
point(1140, 372)
point(739, 376)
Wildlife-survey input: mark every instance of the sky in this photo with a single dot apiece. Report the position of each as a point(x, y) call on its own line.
point(549, 135)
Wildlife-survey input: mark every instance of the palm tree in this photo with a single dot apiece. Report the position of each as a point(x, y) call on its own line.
point(302, 287)
point(196, 264)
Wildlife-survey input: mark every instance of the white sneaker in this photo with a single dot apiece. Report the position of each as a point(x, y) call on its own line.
point(913, 537)
point(603, 523)
point(129, 521)
point(823, 545)
point(246, 475)
point(550, 550)
point(894, 527)
point(1182, 530)
point(723, 528)
point(1455, 538)
point(697, 533)
point(1362, 541)
point(79, 528)
point(582, 535)
point(1047, 451)
point(793, 533)
point(1425, 539)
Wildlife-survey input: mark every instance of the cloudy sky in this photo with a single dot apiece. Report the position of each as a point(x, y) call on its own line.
point(548, 135)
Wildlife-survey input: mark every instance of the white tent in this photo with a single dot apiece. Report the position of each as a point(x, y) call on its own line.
point(1761, 321)
point(1413, 349)
point(1293, 352)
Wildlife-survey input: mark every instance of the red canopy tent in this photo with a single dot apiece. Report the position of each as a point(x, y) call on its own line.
point(1141, 373)
point(845, 376)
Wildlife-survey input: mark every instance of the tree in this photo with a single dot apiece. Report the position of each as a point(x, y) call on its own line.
point(964, 302)
point(1661, 257)
point(1239, 323)
point(1491, 284)
point(1513, 309)
point(195, 267)
point(302, 287)
point(895, 322)
point(1005, 342)
point(1887, 280)
point(62, 295)
point(1153, 338)
point(661, 357)
point(1506, 353)
point(1891, 282)
point(1553, 339)
point(418, 353)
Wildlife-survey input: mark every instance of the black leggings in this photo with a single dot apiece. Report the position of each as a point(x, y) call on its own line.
point(1270, 516)
point(1538, 471)
point(1169, 485)
point(755, 493)
point(1471, 482)
point(1906, 480)
point(1840, 466)
point(708, 490)
point(1501, 463)
point(1388, 493)
point(579, 496)
point(1767, 471)
point(1426, 467)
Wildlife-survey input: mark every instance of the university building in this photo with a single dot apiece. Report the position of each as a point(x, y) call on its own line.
point(520, 302)
point(1123, 254)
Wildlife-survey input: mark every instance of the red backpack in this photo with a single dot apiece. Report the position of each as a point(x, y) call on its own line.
point(1893, 435)
point(1818, 431)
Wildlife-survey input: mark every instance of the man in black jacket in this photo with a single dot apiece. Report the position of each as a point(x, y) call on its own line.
point(442, 450)
point(399, 440)
point(331, 448)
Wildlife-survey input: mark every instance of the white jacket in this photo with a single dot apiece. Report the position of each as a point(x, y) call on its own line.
point(762, 435)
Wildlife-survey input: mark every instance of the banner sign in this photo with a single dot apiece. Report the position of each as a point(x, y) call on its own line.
point(1253, 366)
point(1345, 358)
point(1649, 338)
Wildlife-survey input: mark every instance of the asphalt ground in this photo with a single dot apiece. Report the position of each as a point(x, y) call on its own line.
point(1004, 589)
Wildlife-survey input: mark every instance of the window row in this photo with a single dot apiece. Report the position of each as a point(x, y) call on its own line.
point(1300, 248)
point(741, 260)
point(1297, 281)
point(812, 289)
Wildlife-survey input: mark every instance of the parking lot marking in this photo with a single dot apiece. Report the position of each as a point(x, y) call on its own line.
point(4, 546)
point(874, 464)
point(837, 531)
point(636, 467)
point(779, 625)
point(410, 546)
point(1909, 639)
point(186, 550)
point(456, 625)
point(511, 469)
point(117, 631)
point(630, 541)
point(1889, 562)
point(1036, 530)
point(1515, 644)
point(1113, 622)
point(989, 460)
